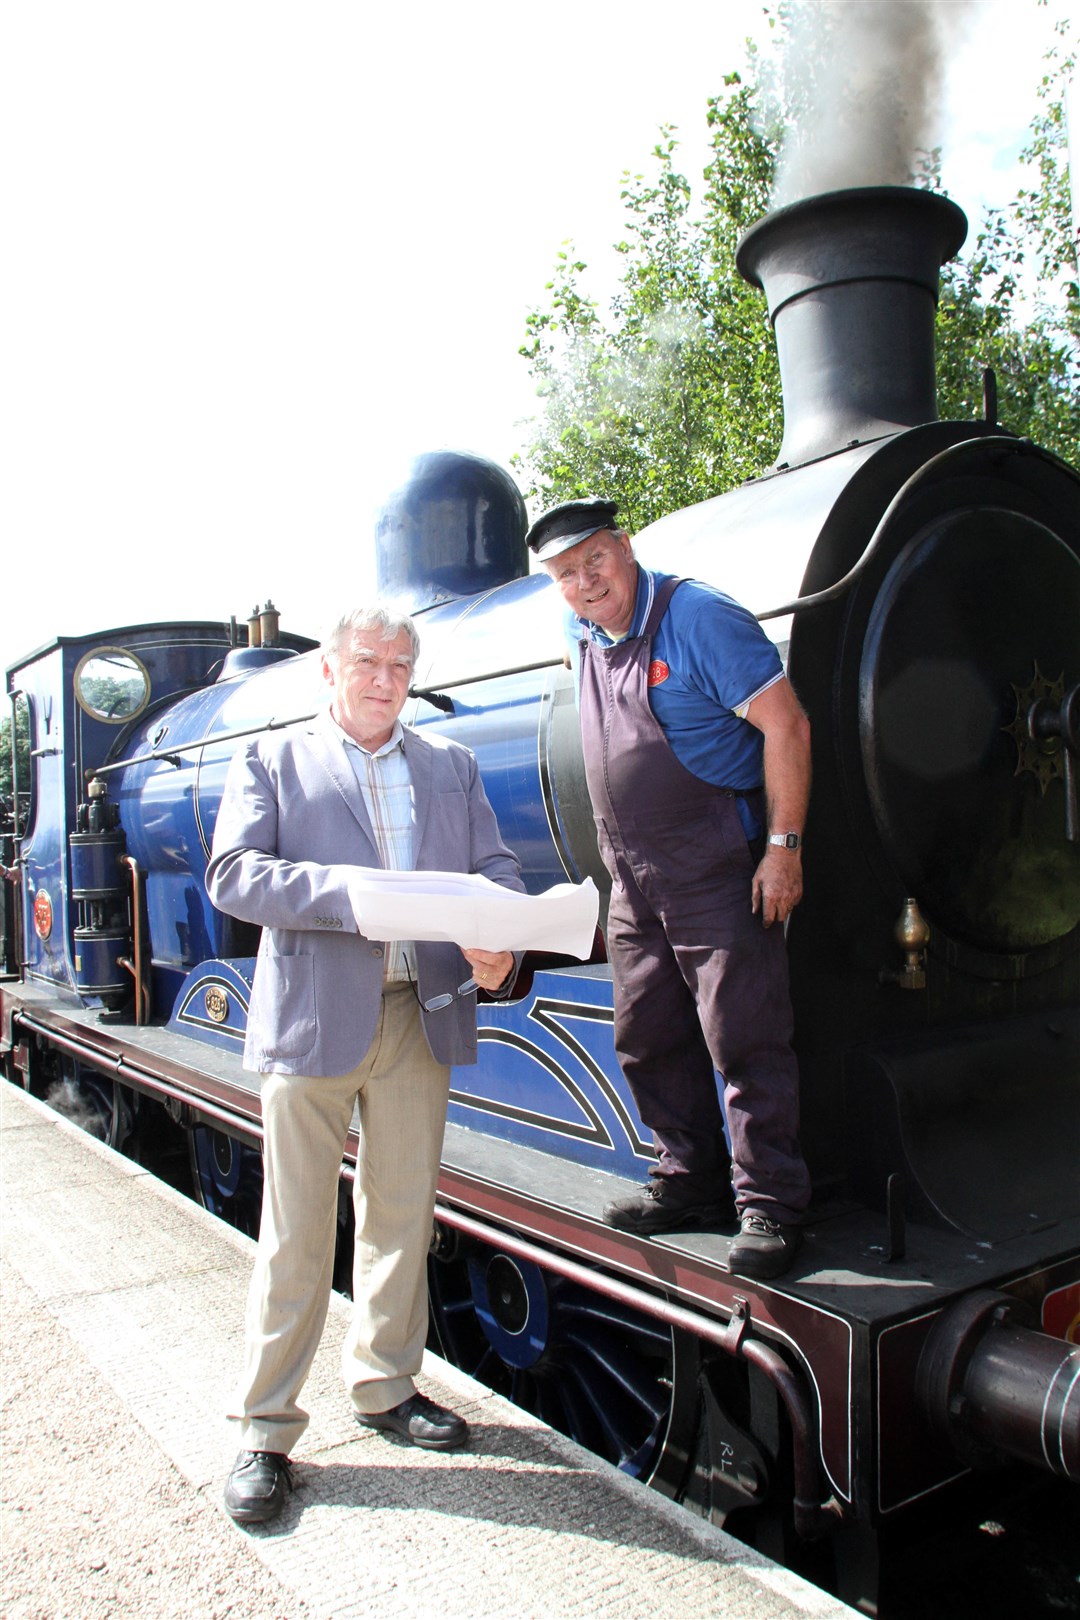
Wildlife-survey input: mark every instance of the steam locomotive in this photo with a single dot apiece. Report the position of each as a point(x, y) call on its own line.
point(922, 579)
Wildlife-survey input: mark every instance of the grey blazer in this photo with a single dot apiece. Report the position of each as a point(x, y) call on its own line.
point(292, 821)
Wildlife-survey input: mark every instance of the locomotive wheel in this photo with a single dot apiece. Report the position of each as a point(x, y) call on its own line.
point(227, 1177)
point(618, 1382)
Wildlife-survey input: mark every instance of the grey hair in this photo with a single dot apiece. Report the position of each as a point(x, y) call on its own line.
point(386, 625)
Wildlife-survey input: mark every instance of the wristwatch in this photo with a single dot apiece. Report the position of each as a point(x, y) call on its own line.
point(786, 840)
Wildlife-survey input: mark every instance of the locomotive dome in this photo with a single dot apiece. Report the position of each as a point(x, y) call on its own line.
point(454, 526)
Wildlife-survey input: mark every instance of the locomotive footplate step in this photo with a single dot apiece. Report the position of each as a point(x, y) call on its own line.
point(216, 1073)
point(845, 1265)
point(124, 1311)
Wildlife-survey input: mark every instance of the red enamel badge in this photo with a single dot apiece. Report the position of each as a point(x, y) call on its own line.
point(658, 672)
point(42, 914)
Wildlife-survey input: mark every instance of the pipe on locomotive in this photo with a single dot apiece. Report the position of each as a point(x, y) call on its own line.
point(813, 1516)
point(135, 965)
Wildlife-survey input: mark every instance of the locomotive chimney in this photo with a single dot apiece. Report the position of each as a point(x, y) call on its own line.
point(851, 279)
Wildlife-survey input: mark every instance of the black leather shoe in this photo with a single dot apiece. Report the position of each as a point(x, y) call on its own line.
point(763, 1248)
point(255, 1490)
point(662, 1206)
point(420, 1421)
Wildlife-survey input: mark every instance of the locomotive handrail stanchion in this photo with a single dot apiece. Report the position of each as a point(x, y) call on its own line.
point(895, 1221)
point(814, 1516)
point(136, 968)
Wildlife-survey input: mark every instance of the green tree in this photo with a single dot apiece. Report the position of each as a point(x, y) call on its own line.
point(638, 404)
point(1011, 302)
point(674, 395)
point(22, 743)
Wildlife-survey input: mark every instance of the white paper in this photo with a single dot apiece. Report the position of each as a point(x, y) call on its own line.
point(473, 912)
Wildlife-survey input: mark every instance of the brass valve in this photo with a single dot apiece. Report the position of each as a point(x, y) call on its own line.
point(912, 934)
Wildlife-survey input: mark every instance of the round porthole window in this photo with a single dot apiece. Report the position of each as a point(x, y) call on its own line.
point(111, 684)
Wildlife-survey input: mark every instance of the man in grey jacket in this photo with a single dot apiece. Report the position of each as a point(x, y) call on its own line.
point(339, 1021)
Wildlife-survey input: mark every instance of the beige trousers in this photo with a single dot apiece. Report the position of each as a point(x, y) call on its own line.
point(402, 1094)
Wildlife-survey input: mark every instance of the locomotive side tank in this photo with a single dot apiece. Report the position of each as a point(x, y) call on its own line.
point(922, 579)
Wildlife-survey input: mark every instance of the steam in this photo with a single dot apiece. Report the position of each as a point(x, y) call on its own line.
point(864, 83)
point(64, 1098)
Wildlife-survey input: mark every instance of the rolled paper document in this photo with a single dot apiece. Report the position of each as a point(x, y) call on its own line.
point(473, 912)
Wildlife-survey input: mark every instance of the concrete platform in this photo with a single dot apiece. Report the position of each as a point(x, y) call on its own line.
point(122, 1323)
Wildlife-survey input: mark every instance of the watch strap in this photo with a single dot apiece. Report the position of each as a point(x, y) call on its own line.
point(789, 840)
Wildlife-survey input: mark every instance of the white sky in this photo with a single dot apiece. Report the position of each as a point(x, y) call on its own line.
point(255, 256)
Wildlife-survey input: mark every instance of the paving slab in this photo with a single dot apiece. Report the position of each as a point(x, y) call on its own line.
point(122, 1328)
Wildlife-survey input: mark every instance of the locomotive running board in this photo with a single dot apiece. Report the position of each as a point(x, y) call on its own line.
point(830, 1313)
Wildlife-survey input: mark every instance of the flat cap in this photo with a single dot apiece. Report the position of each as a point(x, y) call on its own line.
point(565, 525)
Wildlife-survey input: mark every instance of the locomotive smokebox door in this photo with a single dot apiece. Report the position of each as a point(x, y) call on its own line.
point(967, 609)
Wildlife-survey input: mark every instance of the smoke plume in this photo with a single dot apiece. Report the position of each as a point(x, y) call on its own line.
point(864, 82)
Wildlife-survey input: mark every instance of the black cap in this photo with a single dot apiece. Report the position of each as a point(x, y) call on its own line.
point(565, 525)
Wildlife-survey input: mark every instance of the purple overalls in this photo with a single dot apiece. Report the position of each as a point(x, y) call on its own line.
point(698, 980)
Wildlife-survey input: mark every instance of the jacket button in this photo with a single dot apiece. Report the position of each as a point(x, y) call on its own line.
point(376, 950)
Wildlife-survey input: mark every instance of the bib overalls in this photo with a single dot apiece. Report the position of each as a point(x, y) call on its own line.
point(698, 980)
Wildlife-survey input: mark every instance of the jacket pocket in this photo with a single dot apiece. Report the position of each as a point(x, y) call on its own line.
point(450, 815)
point(282, 1017)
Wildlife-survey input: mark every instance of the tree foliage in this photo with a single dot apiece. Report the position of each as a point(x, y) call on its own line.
point(1011, 302)
point(22, 743)
point(637, 404)
point(673, 394)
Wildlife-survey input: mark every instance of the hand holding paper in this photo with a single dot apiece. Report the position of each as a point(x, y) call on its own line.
point(471, 911)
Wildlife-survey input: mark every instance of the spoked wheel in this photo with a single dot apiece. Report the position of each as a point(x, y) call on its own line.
point(228, 1177)
point(615, 1380)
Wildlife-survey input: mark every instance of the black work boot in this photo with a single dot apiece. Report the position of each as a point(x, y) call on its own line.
point(664, 1205)
point(763, 1248)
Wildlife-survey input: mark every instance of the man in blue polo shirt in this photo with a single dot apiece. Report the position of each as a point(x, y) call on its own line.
point(697, 755)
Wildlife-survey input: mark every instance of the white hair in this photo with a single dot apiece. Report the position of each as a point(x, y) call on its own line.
point(386, 625)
